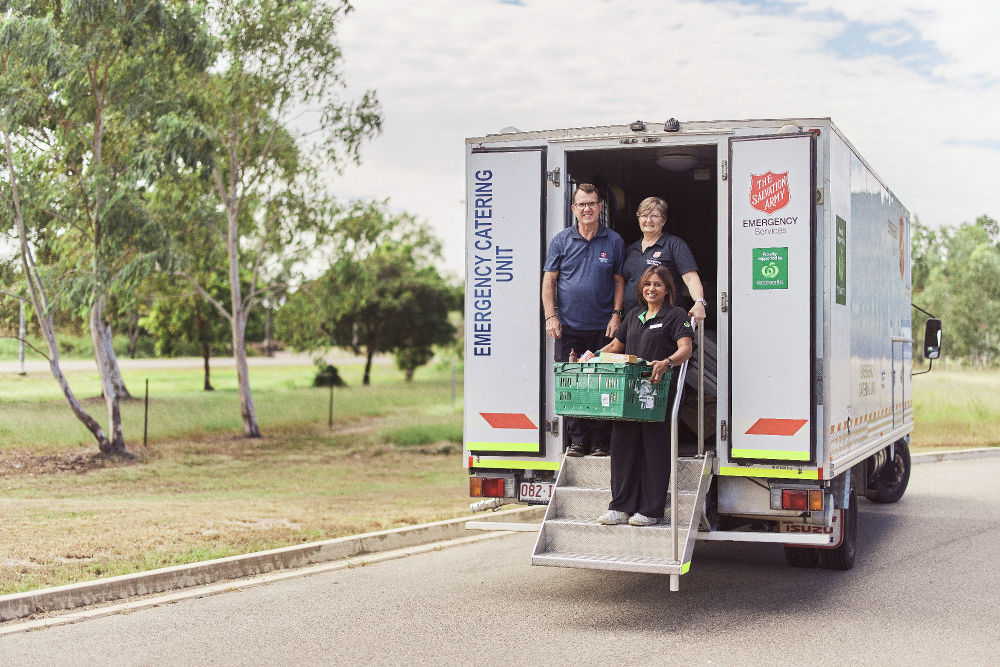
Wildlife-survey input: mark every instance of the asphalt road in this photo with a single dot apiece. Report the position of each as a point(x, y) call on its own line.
point(924, 590)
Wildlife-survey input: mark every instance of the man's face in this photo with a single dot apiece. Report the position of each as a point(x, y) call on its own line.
point(586, 207)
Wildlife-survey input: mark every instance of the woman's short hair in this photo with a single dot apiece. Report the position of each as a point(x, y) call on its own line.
point(650, 203)
point(663, 273)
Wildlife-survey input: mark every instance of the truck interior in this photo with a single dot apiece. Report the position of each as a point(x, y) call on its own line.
point(686, 178)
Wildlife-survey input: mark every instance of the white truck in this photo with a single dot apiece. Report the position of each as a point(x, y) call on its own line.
point(798, 400)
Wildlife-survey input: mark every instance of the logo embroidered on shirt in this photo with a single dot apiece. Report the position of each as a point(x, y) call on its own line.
point(656, 254)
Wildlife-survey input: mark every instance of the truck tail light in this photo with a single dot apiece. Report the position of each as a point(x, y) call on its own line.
point(487, 487)
point(802, 500)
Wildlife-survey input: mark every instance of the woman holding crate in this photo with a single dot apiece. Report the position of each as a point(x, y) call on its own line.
point(660, 333)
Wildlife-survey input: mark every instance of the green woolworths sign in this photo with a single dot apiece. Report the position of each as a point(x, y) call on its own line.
point(770, 268)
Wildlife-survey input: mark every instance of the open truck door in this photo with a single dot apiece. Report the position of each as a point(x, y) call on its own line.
point(505, 246)
point(772, 338)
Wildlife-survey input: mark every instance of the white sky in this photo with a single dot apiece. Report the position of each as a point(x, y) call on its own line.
point(915, 85)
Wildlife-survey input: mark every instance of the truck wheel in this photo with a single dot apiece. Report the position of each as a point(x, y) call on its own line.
point(801, 556)
point(842, 558)
point(891, 482)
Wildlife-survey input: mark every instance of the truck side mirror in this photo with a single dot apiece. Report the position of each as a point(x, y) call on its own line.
point(932, 338)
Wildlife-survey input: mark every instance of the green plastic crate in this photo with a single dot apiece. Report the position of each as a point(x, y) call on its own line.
point(604, 390)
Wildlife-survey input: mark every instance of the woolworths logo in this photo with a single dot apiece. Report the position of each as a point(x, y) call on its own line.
point(770, 268)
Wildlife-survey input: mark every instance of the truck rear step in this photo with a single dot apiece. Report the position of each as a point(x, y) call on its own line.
point(572, 537)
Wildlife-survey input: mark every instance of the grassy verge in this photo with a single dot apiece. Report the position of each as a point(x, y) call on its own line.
point(201, 491)
point(956, 409)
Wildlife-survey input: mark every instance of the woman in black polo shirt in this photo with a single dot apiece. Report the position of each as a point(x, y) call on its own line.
point(660, 333)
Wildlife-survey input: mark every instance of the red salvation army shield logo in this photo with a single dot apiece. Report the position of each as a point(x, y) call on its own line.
point(769, 192)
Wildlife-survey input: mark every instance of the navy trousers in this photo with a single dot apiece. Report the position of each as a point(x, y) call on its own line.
point(589, 432)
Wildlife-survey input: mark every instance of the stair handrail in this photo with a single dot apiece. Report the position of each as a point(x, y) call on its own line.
point(674, 411)
point(701, 385)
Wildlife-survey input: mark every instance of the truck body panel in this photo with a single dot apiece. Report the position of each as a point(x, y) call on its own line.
point(804, 255)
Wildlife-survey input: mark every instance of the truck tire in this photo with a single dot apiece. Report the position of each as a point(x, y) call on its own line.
point(842, 558)
point(891, 482)
point(801, 556)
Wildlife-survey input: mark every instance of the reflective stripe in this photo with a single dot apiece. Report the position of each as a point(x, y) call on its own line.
point(516, 465)
point(731, 471)
point(776, 426)
point(508, 420)
point(770, 454)
point(502, 446)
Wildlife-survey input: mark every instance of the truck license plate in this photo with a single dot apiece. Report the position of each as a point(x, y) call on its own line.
point(535, 492)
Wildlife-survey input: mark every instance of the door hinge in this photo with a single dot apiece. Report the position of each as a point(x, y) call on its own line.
point(724, 172)
point(552, 426)
point(724, 431)
point(553, 176)
point(724, 302)
point(819, 196)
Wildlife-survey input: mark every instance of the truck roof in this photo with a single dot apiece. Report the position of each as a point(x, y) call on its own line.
point(652, 128)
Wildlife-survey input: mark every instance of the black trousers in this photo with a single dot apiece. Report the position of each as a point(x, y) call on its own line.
point(589, 432)
point(640, 467)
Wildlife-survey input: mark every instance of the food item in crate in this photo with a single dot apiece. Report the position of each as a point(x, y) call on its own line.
point(613, 357)
point(586, 356)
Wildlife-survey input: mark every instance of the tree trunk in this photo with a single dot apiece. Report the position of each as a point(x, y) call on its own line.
point(116, 371)
point(238, 322)
point(40, 302)
point(368, 366)
point(268, 344)
point(247, 411)
point(206, 352)
point(107, 371)
point(133, 335)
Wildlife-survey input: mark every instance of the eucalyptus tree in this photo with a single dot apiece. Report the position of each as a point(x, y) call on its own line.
point(273, 115)
point(25, 57)
point(109, 74)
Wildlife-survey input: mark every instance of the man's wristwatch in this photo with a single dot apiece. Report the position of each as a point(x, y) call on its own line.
point(702, 301)
point(617, 312)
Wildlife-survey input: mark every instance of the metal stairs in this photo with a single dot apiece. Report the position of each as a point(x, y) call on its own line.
point(571, 536)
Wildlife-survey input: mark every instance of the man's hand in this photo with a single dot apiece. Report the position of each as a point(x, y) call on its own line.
point(697, 312)
point(613, 324)
point(553, 328)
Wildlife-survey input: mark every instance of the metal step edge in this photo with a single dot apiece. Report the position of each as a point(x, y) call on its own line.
point(605, 562)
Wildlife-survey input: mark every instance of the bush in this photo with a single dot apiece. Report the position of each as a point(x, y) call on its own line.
point(328, 376)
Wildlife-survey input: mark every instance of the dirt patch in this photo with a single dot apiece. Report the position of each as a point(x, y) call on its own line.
point(26, 464)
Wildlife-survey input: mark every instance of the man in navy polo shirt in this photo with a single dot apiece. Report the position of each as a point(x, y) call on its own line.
point(582, 295)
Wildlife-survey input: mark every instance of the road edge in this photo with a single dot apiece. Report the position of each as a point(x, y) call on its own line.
point(178, 577)
point(72, 596)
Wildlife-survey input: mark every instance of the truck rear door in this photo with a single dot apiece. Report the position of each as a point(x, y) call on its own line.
point(505, 245)
point(772, 335)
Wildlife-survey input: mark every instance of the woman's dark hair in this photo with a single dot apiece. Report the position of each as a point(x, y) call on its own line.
point(664, 274)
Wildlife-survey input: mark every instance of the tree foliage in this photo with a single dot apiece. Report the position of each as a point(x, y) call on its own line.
point(956, 276)
point(241, 142)
point(382, 294)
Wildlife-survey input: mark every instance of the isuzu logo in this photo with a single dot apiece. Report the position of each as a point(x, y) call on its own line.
point(769, 192)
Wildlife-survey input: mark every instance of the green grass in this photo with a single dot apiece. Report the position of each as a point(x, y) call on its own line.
point(200, 490)
point(956, 409)
point(35, 415)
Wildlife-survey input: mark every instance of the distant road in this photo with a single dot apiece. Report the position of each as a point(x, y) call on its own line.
point(279, 359)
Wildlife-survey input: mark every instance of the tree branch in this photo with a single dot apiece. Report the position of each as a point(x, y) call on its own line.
point(208, 297)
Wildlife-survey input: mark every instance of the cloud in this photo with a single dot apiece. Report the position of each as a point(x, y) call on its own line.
point(912, 84)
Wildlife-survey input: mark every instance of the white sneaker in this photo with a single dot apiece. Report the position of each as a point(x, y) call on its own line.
point(613, 518)
point(642, 520)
